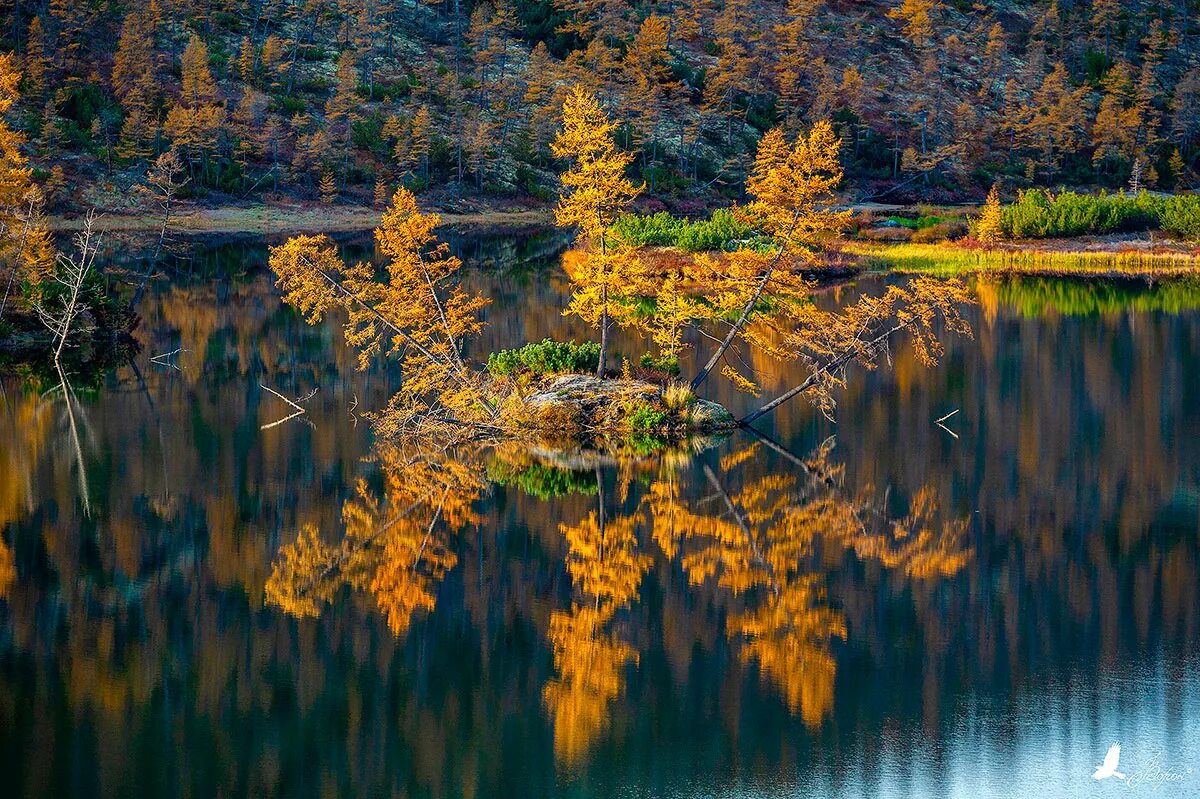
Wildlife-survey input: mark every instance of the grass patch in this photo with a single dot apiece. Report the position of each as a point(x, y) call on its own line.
point(920, 223)
point(947, 260)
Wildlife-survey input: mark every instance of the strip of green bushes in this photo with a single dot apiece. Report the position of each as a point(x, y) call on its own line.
point(721, 231)
point(1038, 214)
point(546, 358)
point(920, 223)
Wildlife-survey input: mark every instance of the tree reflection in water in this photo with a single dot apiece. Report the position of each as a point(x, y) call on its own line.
point(760, 546)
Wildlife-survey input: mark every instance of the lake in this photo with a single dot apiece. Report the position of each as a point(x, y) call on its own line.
point(875, 605)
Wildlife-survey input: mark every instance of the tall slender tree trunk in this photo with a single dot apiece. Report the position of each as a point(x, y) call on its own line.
point(603, 333)
point(68, 316)
point(833, 365)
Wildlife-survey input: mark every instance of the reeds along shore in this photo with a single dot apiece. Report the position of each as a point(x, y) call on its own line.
point(952, 259)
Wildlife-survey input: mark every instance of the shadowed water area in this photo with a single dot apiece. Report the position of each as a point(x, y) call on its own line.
point(872, 606)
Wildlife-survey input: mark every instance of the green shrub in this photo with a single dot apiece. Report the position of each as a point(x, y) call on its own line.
point(546, 358)
point(646, 418)
point(663, 363)
point(719, 232)
point(716, 233)
point(1037, 214)
point(1181, 215)
point(655, 230)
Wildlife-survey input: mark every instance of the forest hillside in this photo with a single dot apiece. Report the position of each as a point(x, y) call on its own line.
point(344, 100)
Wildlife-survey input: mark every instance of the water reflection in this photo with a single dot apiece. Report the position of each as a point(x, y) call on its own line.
point(903, 613)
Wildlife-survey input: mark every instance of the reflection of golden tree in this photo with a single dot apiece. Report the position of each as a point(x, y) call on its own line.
point(788, 637)
point(606, 568)
point(761, 547)
point(760, 543)
point(914, 545)
point(8, 569)
point(398, 549)
point(589, 662)
point(25, 427)
point(604, 561)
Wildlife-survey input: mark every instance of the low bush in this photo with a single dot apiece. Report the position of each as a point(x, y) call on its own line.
point(1180, 215)
point(946, 230)
point(719, 232)
point(1038, 214)
point(653, 230)
point(546, 358)
point(660, 363)
point(646, 418)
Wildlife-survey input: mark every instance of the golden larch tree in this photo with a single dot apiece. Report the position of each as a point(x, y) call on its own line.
point(418, 313)
point(989, 228)
point(25, 248)
point(792, 189)
point(595, 192)
point(195, 122)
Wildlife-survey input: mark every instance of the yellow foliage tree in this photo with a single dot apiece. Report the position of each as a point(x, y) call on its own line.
point(792, 186)
point(989, 228)
point(328, 188)
point(917, 16)
point(596, 191)
point(418, 313)
point(25, 247)
point(195, 122)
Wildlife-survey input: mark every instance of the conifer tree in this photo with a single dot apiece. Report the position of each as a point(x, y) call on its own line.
point(917, 16)
point(792, 185)
point(25, 252)
point(989, 228)
point(195, 122)
point(328, 188)
point(36, 64)
point(596, 191)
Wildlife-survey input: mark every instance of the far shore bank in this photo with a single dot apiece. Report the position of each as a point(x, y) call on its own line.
point(285, 219)
point(1148, 257)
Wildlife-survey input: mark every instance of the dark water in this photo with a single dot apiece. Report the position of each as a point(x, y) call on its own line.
point(901, 610)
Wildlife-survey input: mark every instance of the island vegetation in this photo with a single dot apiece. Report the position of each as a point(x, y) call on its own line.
point(754, 295)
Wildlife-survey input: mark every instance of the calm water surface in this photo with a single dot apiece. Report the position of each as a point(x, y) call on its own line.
point(873, 607)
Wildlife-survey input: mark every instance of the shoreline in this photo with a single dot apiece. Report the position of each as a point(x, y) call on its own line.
point(296, 218)
point(1098, 258)
point(1029, 259)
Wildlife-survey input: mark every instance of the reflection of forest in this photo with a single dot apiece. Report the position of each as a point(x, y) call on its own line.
point(716, 606)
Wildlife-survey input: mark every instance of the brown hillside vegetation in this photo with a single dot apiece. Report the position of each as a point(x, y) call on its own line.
point(337, 99)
